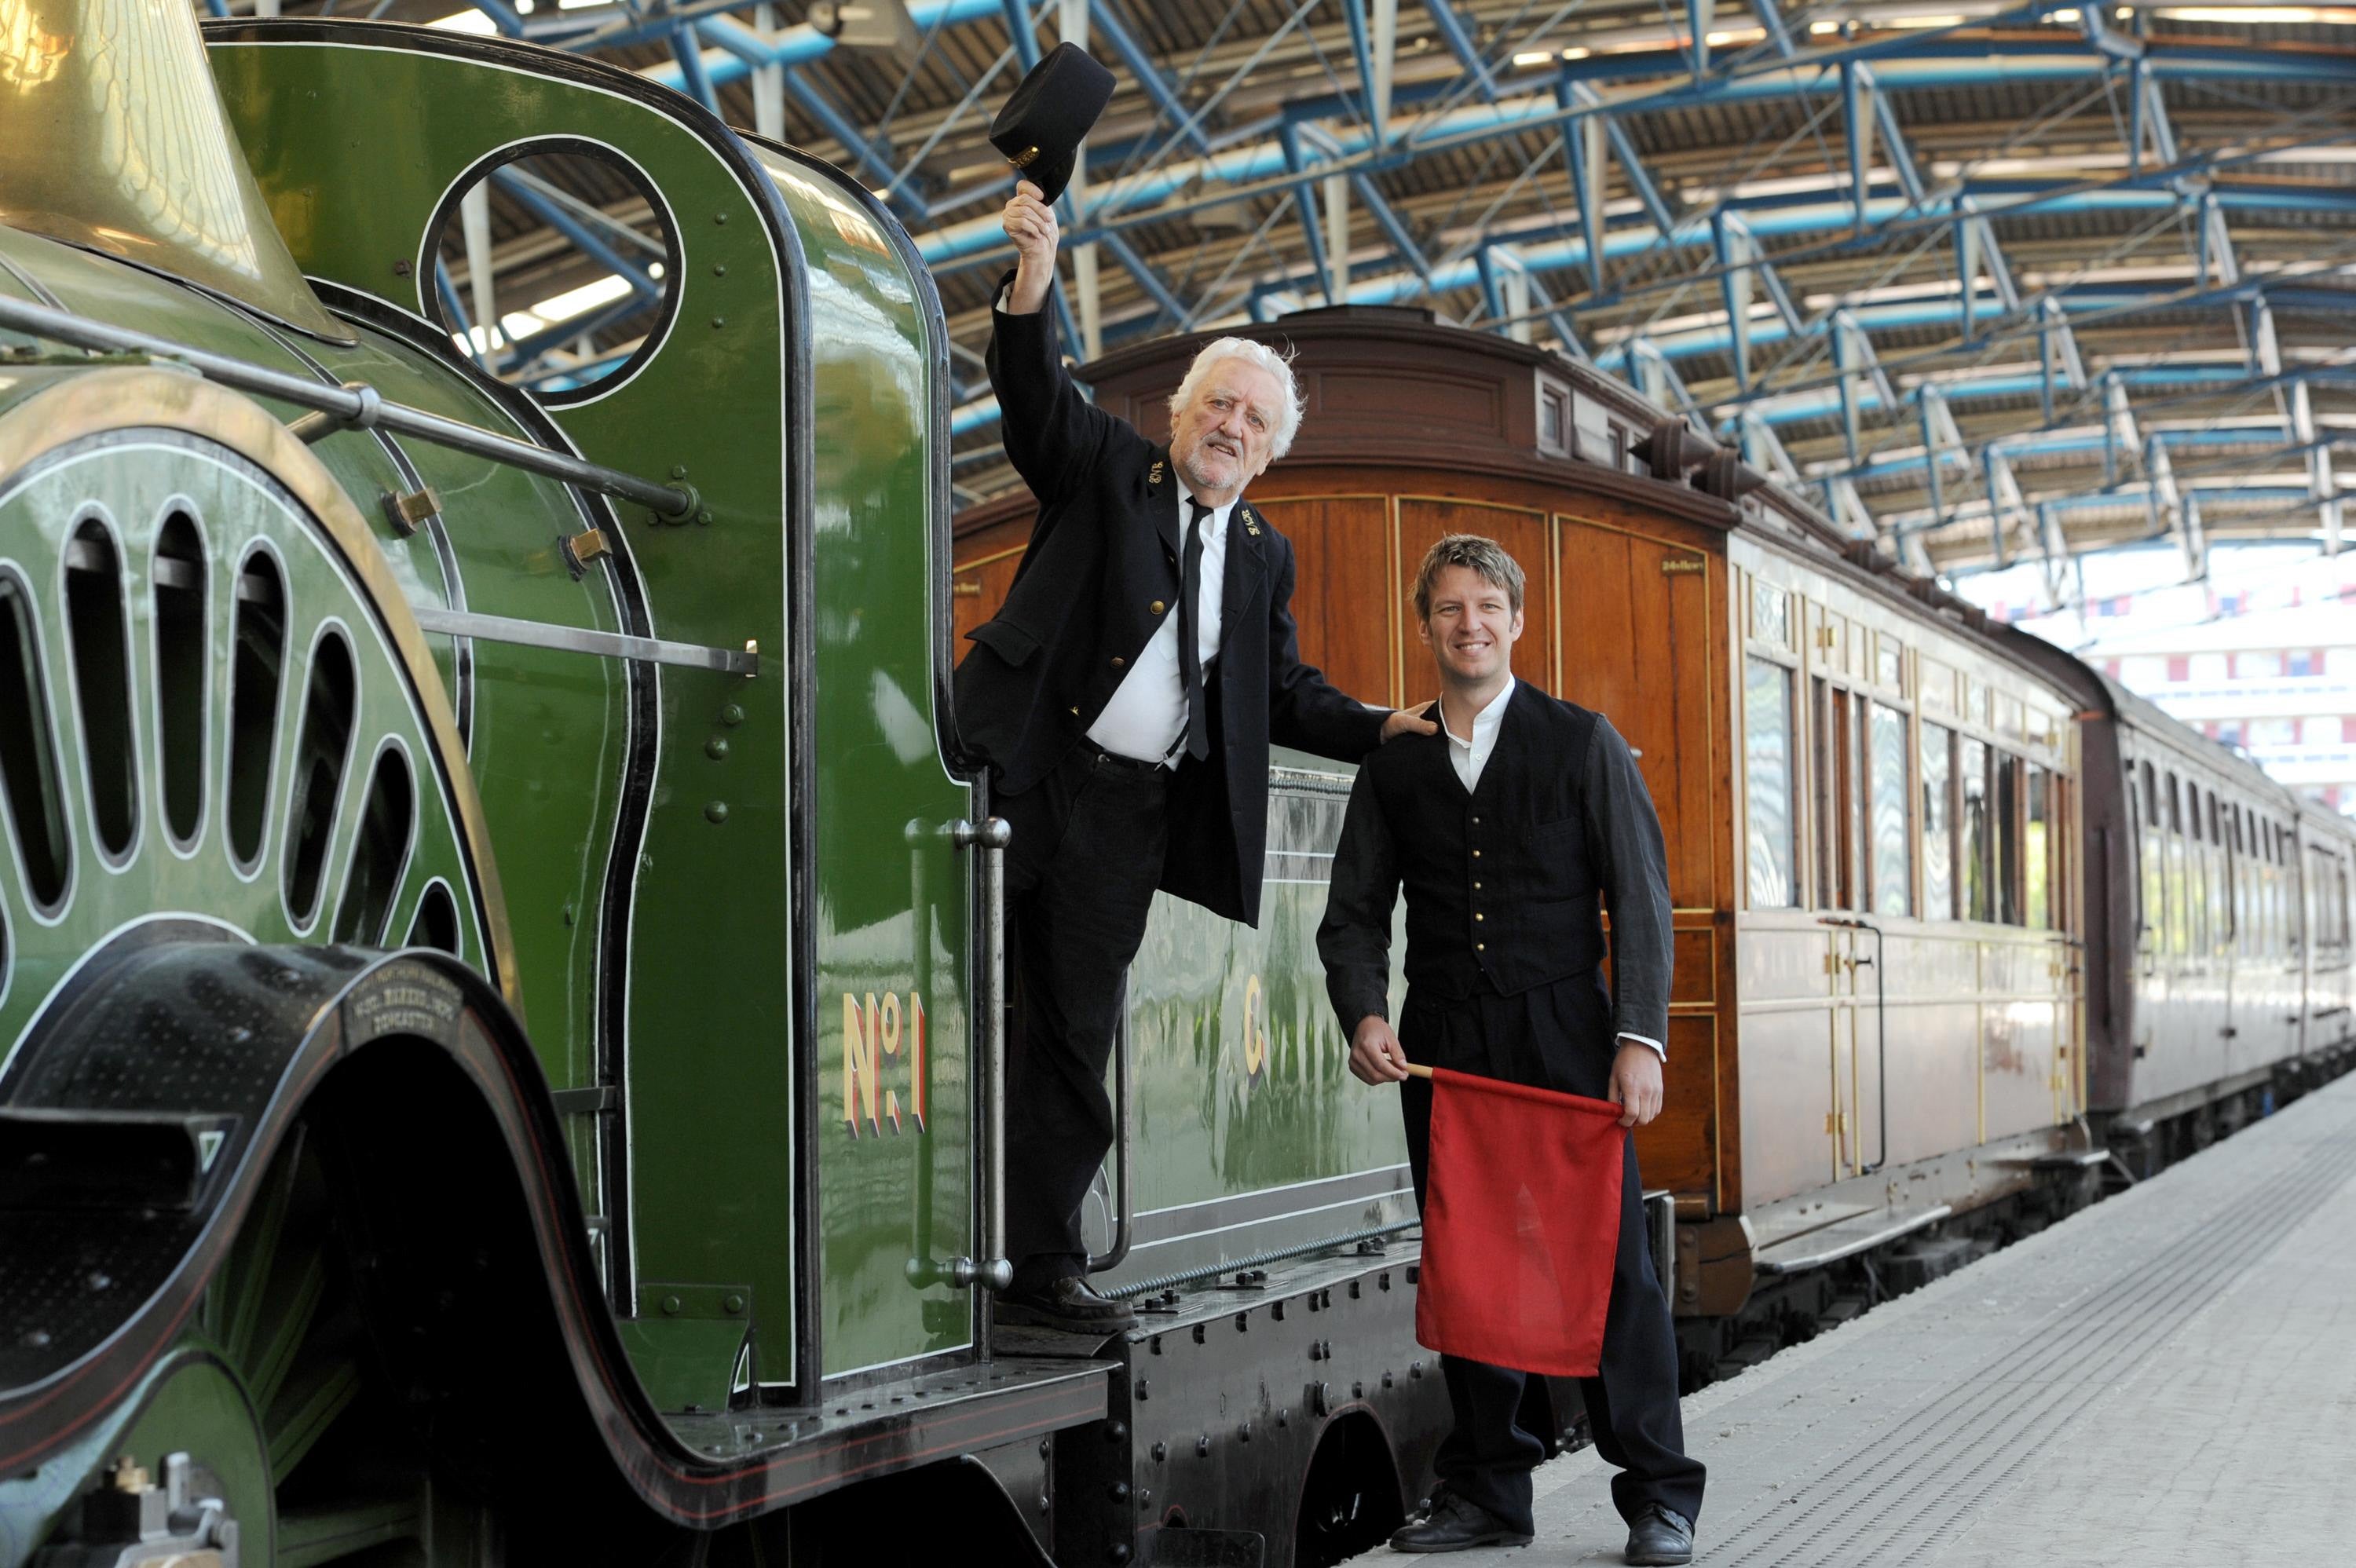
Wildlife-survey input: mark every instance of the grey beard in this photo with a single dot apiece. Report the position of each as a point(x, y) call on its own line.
point(1189, 470)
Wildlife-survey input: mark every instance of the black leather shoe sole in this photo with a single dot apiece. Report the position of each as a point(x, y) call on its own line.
point(1032, 1315)
point(1406, 1540)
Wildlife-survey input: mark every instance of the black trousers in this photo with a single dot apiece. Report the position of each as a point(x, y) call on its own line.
point(1081, 874)
point(1544, 1037)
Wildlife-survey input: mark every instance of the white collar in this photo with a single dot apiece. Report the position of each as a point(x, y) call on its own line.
point(1486, 722)
point(1216, 522)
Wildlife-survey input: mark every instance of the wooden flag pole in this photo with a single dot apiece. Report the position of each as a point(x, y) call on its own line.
point(1417, 1069)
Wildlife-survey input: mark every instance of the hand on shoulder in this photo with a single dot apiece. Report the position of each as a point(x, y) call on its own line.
point(1417, 720)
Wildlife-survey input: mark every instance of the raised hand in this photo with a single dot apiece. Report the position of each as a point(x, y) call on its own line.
point(1031, 224)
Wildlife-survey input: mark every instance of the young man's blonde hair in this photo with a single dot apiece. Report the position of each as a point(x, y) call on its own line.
point(1485, 556)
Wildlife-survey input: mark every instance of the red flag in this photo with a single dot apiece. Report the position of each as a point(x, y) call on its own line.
point(1521, 1223)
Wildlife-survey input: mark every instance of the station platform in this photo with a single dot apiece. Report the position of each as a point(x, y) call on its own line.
point(2168, 1378)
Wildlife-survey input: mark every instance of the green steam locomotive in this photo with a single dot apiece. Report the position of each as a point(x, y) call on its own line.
point(498, 967)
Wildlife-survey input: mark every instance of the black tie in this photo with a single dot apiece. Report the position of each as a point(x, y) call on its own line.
point(1190, 653)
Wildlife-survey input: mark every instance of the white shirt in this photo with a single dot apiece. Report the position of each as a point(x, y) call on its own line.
point(1146, 718)
point(1471, 754)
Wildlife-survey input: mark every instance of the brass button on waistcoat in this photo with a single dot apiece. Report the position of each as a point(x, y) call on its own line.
point(1478, 916)
point(1117, 661)
point(1480, 947)
point(1157, 607)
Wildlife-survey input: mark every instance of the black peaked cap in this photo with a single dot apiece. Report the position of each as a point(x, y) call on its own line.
point(1051, 109)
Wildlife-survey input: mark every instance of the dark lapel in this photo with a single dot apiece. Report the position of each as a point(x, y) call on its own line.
point(1161, 501)
point(1247, 564)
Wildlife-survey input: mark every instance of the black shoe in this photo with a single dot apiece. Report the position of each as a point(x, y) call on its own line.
point(1454, 1524)
point(1660, 1535)
point(1067, 1305)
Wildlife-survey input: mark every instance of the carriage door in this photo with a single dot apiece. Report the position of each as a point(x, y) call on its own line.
point(1842, 885)
point(1639, 649)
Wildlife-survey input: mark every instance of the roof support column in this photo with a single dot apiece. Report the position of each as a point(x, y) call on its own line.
point(1072, 23)
point(475, 222)
point(1374, 41)
point(768, 83)
point(1857, 118)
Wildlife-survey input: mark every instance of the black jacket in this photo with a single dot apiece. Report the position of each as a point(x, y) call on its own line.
point(1101, 572)
point(1503, 881)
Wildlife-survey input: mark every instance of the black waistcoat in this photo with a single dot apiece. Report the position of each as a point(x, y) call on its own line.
point(1500, 892)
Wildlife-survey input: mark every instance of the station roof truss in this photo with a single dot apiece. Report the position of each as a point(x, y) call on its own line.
point(1990, 282)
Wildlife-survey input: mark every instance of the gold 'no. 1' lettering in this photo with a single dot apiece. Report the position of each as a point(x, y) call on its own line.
point(871, 1033)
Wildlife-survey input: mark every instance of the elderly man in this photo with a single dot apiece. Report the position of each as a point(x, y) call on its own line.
point(1504, 834)
point(1124, 699)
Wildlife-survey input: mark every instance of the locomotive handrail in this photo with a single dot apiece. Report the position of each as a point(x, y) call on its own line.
point(745, 661)
point(990, 836)
point(1124, 1210)
point(355, 404)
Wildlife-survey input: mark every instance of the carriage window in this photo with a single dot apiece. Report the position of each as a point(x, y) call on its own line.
point(1938, 822)
point(1978, 854)
point(2009, 874)
point(2145, 832)
point(1893, 888)
point(1771, 614)
point(2180, 921)
point(1840, 798)
point(1767, 727)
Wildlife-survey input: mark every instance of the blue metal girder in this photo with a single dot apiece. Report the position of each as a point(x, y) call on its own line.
point(1394, 228)
point(1450, 28)
point(1362, 52)
point(737, 48)
point(1857, 121)
point(592, 244)
point(504, 16)
point(1253, 172)
point(1148, 280)
point(1306, 210)
point(454, 310)
point(1736, 274)
point(1770, 18)
point(522, 351)
point(687, 48)
point(1104, 22)
point(1018, 28)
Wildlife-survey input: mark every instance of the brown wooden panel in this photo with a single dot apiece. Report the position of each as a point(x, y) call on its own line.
point(1423, 397)
point(1678, 1150)
point(1341, 601)
point(1526, 536)
point(985, 566)
point(1635, 648)
point(1694, 977)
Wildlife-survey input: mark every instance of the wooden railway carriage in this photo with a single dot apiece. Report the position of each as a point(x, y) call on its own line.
point(1874, 804)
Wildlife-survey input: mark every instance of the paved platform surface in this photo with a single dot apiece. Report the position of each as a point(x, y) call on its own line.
point(2166, 1379)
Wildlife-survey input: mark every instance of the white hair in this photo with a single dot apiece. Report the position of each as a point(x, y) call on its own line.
point(1287, 418)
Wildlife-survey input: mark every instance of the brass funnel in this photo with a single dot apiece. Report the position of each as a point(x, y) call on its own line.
point(111, 138)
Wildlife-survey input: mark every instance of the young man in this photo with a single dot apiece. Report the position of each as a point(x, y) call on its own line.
point(1504, 828)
